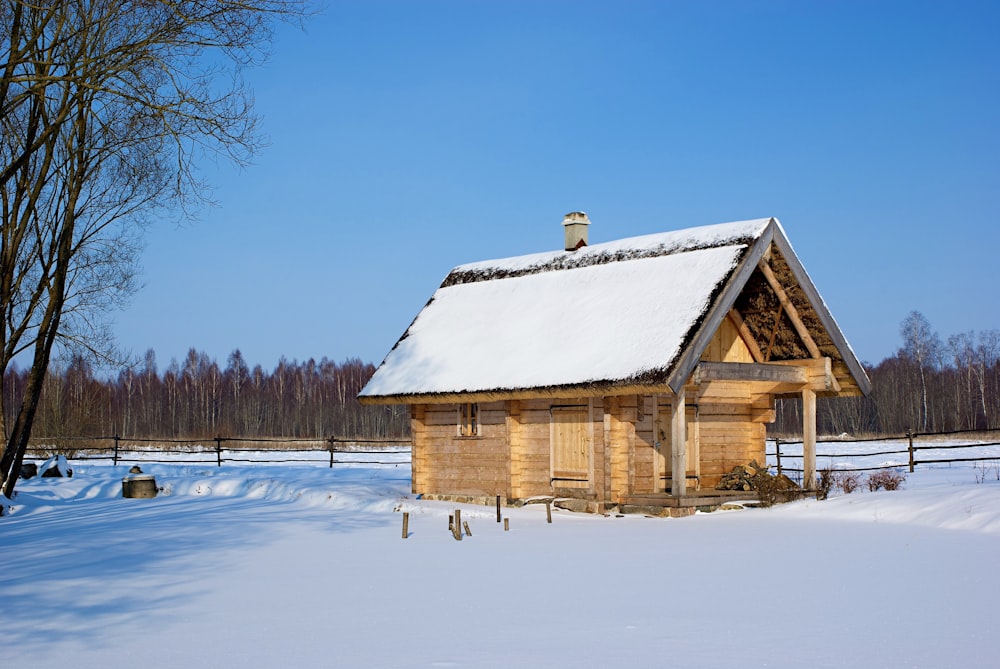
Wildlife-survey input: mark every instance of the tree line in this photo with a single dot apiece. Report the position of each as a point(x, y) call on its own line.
point(929, 385)
point(196, 398)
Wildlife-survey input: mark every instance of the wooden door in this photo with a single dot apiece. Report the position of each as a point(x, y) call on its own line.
point(664, 460)
point(570, 447)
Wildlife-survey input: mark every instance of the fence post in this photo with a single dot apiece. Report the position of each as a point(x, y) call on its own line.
point(777, 451)
point(332, 441)
point(218, 451)
point(909, 436)
point(116, 450)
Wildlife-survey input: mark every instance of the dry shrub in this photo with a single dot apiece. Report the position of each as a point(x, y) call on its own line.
point(983, 470)
point(825, 483)
point(848, 482)
point(888, 479)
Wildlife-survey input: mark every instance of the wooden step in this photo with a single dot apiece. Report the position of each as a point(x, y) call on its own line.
point(704, 498)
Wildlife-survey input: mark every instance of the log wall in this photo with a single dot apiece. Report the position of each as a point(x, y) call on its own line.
point(512, 453)
point(444, 462)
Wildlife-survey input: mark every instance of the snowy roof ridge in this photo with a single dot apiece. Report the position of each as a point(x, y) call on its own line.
point(514, 325)
point(738, 233)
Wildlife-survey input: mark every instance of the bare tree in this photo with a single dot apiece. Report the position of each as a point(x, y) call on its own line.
point(921, 346)
point(986, 364)
point(105, 107)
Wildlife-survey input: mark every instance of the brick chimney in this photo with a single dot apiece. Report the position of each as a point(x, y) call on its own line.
point(575, 226)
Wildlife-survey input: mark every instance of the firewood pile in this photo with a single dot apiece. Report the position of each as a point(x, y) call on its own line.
point(741, 477)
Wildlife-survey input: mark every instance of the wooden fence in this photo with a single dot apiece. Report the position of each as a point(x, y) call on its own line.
point(218, 450)
point(911, 445)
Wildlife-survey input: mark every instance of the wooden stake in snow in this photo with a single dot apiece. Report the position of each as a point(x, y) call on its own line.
point(909, 437)
point(548, 511)
point(498, 508)
point(465, 524)
point(457, 527)
point(406, 524)
point(506, 524)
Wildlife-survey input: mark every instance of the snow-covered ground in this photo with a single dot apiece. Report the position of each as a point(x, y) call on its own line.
point(300, 565)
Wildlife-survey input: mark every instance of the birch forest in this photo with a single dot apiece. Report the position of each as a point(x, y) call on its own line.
point(196, 398)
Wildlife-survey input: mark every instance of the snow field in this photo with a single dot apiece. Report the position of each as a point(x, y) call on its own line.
point(301, 565)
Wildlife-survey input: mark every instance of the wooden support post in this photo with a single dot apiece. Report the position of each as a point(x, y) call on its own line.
point(777, 453)
point(909, 437)
point(465, 524)
point(451, 523)
point(116, 451)
point(808, 439)
point(457, 527)
point(548, 512)
point(678, 445)
point(218, 451)
point(332, 441)
point(506, 524)
point(498, 508)
point(406, 524)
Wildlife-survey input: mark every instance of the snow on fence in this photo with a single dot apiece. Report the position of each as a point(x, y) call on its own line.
point(219, 450)
point(910, 451)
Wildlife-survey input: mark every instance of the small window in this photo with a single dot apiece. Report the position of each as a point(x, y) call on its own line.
point(468, 419)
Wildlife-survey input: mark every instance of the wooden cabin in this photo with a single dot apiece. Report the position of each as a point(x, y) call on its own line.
point(615, 373)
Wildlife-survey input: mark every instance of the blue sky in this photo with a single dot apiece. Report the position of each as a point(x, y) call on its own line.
point(410, 137)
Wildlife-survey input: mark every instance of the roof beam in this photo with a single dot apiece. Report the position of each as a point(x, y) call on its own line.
point(748, 371)
point(793, 314)
point(819, 373)
point(748, 339)
point(774, 333)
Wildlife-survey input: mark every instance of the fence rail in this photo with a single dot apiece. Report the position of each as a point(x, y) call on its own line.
point(988, 451)
point(213, 450)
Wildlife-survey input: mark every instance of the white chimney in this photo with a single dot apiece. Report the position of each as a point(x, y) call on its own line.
point(575, 226)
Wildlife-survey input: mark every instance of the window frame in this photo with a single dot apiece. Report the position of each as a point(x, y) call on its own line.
point(468, 420)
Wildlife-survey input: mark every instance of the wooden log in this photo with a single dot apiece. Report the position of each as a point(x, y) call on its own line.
point(790, 310)
point(548, 512)
point(742, 371)
point(746, 336)
point(406, 524)
point(465, 524)
point(506, 524)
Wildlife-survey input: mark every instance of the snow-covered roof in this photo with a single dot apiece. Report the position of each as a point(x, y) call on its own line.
point(608, 314)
